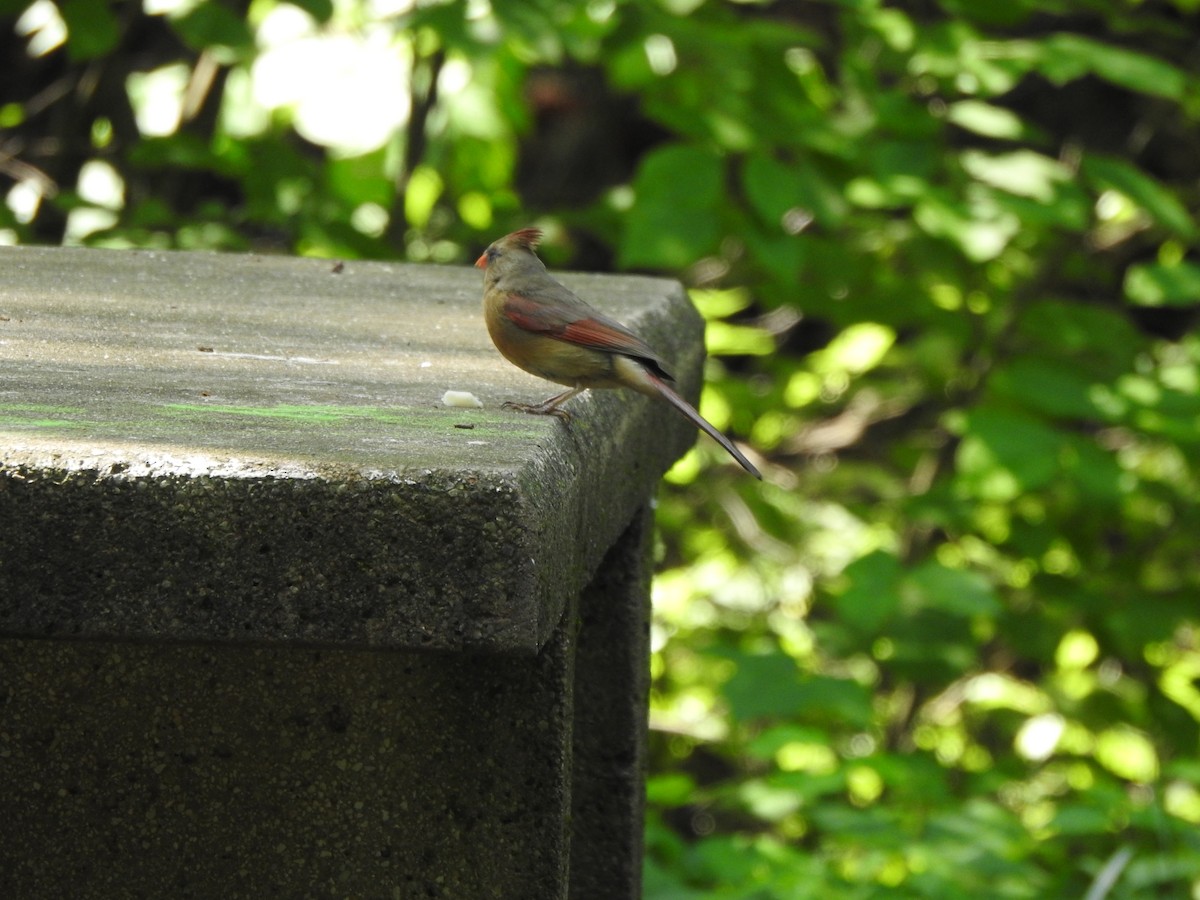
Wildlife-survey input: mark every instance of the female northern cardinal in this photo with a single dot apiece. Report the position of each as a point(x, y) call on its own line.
point(545, 329)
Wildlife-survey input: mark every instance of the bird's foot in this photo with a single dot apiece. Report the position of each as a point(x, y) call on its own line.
point(538, 409)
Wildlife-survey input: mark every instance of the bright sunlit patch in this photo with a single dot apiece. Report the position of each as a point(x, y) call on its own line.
point(1077, 650)
point(454, 76)
point(994, 690)
point(85, 221)
point(795, 220)
point(240, 115)
point(857, 349)
point(660, 54)
point(100, 184)
point(621, 198)
point(346, 93)
point(1112, 206)
point(475, 209)
point(1179, 680)
point(384, 9)
point(425, 185)
point(1183, 800)
point(157, 98)
point(283, 25)
point(806, 756)
point(768, 801)
point(600, 11)
point(44, 27)
point(24, 199)
point(370, 219)
point(1128, 754)
point(864, 785)
point(1039, 736)
point(800, 60)
point(168, 7)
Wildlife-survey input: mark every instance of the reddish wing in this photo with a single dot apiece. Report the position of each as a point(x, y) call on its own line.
point(572, 321)
point(583, 326)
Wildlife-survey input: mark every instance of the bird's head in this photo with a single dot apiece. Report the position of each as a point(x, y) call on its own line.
point(519, 244)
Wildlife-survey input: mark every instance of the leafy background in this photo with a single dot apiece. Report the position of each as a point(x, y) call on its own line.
point(948, 254)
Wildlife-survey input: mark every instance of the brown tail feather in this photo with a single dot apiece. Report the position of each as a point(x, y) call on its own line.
point(686, 408)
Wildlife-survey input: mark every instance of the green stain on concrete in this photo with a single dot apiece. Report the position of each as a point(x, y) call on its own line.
point(309, 414)
point(41, 416)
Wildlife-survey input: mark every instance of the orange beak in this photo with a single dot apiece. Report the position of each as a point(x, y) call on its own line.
point(481, 263)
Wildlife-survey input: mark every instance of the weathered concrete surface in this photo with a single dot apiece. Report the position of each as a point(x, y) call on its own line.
point(192, 771)
point(243, 448)
point(337, 644)
point(222, 770)
point(611, 701)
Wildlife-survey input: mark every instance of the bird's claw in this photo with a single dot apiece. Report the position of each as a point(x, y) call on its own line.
point(538, 410)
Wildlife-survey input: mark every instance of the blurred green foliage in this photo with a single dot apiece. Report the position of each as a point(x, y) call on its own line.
point(948, 250)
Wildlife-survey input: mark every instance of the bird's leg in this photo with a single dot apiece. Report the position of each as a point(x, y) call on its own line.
point(549, 407)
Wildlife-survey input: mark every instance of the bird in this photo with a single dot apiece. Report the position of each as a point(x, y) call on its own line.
point(541, 326)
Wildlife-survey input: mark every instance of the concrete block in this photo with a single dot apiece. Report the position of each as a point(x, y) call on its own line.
point(275, 621)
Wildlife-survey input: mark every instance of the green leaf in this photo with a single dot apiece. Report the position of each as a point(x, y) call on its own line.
point(769, 685)
point(1159, 202)
point(92, 28)
point(986, 119)
point(1005, 453)
point(1067, 57)
point(781, 255)
point(1022, 172)
point(980, 228)
point(321, 10)
point(1068, 210)
point(421, 194)
point(211, 24)
point(763, 684)
point(673, 789)
point(1005, 13)
point(361, 179)
point(720, 304)
point(179, 151)
point(1050, 386)
point(1152, 284)
point(1078, 819)
point(776, 190)
point(905, 161)
point(767, 743)
point(1096, 471)
point(1094, 338)
point(873, 592)
point(955, 591)
point(674, 221)
point(841, 700)
point(722, 859)
point(727, 339)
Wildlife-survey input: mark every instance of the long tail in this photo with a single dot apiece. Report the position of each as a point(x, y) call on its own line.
point(665, 391)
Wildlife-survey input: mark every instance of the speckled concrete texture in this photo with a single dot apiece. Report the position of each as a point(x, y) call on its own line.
point(274, 622)
point(612, 697)
point(211, 447)
point(193, 771)
point(142, 771)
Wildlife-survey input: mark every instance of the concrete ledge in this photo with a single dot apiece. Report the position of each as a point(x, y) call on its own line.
point(328, 637)
point(202, 447)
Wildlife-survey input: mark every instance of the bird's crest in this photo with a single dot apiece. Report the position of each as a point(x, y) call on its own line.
point(527, 238)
